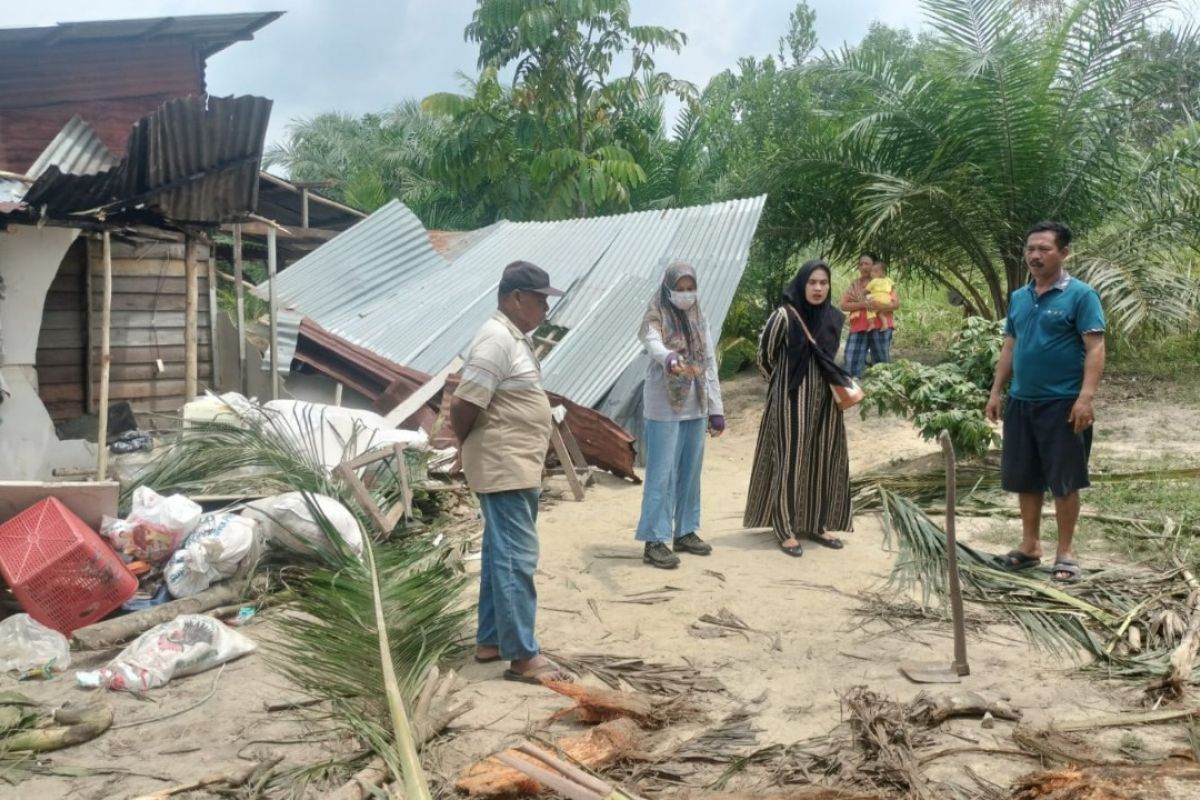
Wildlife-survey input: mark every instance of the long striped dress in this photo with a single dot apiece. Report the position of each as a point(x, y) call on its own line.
point(800, 482)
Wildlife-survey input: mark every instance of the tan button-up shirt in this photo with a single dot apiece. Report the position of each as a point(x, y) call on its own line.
point(506, 449)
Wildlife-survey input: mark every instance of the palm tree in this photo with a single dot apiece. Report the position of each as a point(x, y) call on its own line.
point(1009, 120)
point(374, 158)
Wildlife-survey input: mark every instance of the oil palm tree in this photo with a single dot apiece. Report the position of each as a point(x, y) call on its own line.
point(1011, 119)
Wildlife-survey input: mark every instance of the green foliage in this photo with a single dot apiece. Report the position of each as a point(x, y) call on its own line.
point(977, 349)
point(371, 159)
point(734, 355)
point(568, 138)
point(949, 396)
point(941, 152)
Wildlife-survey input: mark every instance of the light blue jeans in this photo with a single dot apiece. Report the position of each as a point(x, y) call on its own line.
point(507, 595)
point(671, 490)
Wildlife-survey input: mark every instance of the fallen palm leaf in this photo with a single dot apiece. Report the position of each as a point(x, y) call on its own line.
point(1092, 615)
point(368, 634)
point(593, 705)
point(886, 740)
point(729, 740)
point(637, 673)
point(230, 779)
point(599, 747)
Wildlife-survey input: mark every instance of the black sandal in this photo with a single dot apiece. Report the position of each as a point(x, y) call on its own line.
point(828, 541)
point(795, 551)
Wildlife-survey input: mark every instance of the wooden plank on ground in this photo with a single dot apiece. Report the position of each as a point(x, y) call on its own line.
point(89, 500)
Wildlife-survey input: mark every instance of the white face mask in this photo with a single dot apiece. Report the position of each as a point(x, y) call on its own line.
point(683, 300)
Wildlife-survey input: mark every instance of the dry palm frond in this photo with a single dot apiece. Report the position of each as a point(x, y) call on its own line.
point(886, 741)
point(730, 740)
point(903, 612)
point(637, 673)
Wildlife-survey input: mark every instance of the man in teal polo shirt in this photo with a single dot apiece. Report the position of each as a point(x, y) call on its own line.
point(1054, 353)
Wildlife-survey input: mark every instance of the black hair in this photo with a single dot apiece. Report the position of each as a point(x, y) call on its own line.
point(1062, 234)
point(871, 256)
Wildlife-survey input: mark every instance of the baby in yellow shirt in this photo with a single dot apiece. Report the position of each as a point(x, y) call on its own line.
point(879, 289)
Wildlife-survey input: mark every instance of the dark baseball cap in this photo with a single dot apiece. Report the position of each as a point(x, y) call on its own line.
point(525, 277)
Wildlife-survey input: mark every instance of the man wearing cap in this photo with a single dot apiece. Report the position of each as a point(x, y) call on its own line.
point(501, 415)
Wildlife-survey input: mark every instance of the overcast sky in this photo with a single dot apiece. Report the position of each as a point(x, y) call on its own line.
point(366, 55)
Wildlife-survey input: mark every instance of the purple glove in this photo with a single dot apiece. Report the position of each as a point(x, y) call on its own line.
point(716, 423)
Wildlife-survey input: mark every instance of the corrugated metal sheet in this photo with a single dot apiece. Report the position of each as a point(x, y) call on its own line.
point(76, 150)
point(212, 32)
point(194, 160)
point(380, 286)
point(362, 271)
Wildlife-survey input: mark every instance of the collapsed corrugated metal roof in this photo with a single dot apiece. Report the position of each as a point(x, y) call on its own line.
point(194, 160)
point(382, 286)
point(75, 150)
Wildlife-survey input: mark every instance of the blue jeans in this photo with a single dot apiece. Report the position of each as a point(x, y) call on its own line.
point(507, 596)
point(671, 490)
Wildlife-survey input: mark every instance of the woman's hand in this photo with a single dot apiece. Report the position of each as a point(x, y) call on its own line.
point(716, 425)
point(674, 364)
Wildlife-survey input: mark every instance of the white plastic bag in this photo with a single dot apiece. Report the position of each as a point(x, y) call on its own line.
point(155, 527)
point(188, 644)
point(26, 643)
point(287, 520)
point(210, 553)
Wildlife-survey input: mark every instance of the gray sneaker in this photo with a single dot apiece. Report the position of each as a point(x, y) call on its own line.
point(691, 543)
point(657, 554)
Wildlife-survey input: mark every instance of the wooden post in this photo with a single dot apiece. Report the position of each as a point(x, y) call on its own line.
point(215, 361)
point(240, 292)
point(271, 266)
point(304, 208)
point(89, 391)
point(105, 361)
point(190, 317)
point(337, 395)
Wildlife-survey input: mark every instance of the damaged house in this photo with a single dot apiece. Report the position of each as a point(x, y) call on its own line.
point(386, 304)
point(106, 132)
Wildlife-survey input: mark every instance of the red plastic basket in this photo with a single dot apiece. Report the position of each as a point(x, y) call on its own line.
point(63, 574)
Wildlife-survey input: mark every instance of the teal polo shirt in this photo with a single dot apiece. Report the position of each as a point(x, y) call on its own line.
point(1048, 354)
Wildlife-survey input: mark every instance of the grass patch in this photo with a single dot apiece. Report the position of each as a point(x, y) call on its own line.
point(1151, 499)
point(1170, 356)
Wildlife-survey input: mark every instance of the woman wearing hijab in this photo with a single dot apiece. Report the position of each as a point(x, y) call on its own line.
point(800, 483)
point(681, 399)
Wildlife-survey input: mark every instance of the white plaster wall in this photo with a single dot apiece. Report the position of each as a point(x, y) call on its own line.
point(29, 260)
point(29, 448)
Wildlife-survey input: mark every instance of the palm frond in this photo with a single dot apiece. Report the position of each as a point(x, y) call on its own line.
point(1090, 618)
point(364, 634)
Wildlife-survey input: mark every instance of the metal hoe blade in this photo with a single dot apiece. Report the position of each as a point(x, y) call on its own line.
point(936, 673)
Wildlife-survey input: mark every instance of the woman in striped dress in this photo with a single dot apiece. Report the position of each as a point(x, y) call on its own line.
point(800, 483)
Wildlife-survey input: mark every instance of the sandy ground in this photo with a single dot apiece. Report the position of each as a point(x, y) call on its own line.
point(804, 650)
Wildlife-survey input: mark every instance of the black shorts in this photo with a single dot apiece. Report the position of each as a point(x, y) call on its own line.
point(1041, 451)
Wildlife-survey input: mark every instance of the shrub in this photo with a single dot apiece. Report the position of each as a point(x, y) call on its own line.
point(949, 396)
